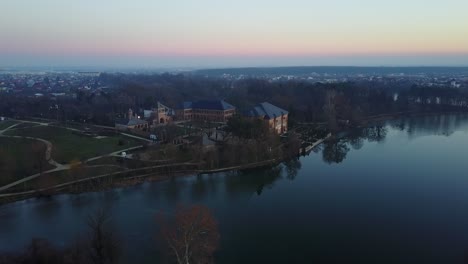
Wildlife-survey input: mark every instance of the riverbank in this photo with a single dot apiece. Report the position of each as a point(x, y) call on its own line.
point(365, 189)
point(124, 179)
point(165, 172)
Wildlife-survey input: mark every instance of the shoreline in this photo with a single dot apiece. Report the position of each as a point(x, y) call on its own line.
point(8, 198)
point(67, 188)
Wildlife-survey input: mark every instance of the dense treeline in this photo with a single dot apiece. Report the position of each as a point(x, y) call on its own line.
point(307, 102)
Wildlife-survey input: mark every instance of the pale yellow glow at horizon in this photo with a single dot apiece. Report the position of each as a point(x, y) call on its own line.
point(232, 29)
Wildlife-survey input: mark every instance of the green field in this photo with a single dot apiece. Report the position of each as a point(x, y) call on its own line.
point(25, 125)
point(17, 160)
point(69, 145)
point(7, 123)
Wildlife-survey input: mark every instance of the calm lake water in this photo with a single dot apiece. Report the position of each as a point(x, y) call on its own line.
point(393, 193)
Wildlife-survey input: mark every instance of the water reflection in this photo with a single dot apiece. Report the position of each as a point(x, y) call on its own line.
point(365, 201)
point(111, 196)
point(150, 195)
point(355, 139)
point(204, 185)
point(8, 215)
point(336, 150)
point(375, 133)
point(81, 201)
point(199, 188)
point(443, 125)
point(48, 208)
point(254, 180)
point(292, 167)
point(173, 188)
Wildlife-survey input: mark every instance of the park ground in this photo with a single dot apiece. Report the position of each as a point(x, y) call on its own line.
point(43, 157)
point(38, 154)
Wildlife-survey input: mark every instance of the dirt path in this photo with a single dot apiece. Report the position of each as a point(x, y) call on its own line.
point(48, 152)
point(48, 155)
point(61, 167)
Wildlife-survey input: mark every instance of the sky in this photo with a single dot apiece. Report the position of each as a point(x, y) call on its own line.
point(216, 33)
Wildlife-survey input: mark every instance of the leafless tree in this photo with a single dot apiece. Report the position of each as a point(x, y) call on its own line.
point(330, 109)
point(192, 236)
point(104, 246)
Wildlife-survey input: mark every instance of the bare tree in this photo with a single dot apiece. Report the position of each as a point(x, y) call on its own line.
point(330, 109)
point(104, 246)
point(193, 236)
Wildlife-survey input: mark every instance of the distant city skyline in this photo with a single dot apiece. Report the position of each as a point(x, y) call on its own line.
point(210, 33)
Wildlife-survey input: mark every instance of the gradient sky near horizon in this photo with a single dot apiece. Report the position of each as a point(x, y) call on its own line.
point(214, 33)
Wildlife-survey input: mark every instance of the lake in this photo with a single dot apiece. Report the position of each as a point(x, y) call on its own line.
point(396, 192)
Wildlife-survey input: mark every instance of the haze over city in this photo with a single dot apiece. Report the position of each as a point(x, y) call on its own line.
point(211, 33)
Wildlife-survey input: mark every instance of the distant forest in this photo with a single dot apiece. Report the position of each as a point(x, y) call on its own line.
point(306, 101)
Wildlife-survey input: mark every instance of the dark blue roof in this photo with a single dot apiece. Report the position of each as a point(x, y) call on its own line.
point(208, 104)
point(267, 111)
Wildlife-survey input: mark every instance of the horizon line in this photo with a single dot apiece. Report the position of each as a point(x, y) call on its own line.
point(194, 68)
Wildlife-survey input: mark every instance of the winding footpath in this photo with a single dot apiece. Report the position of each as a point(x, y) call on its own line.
point(48, 152)
point(48, 155)
point(60, 167)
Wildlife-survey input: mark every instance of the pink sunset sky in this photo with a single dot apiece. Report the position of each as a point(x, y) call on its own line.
point(208, 33)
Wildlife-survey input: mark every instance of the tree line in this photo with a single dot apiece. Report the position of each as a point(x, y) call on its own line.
point(306, 101)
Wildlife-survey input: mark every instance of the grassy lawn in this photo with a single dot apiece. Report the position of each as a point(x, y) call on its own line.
point(25, 125)
point(7, 123)
point(69, 145)
point(17, 161)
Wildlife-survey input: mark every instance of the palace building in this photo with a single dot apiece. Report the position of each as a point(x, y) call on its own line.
point(160, 115)
point(218, 111)
point(130, 122)
point(275, 117)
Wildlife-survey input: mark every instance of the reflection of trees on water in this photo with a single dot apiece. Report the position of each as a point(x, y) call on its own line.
point(375, 133)
point(245, 181)
point(199, 188)
point(355, 139)
point(173, 188)
point(254, 180)
point(205, 184)
point(80, 202)
point(234, 182)
point(49, 208)
point(443, 125)
point(292, 167)
point(335, 151)
point(111, 196)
